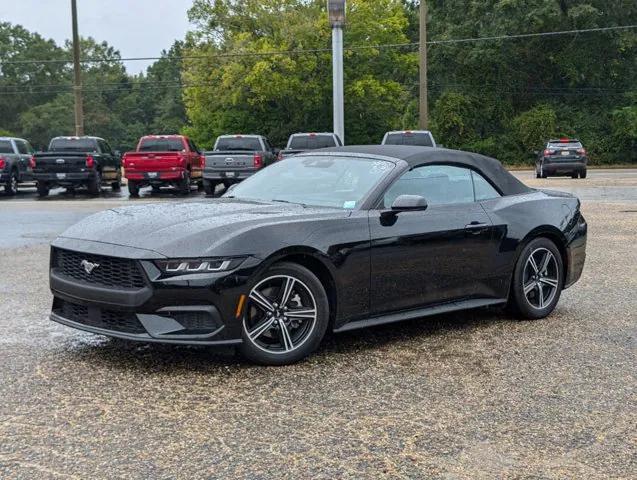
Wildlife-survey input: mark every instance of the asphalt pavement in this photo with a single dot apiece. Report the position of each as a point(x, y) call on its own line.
point(469, 395)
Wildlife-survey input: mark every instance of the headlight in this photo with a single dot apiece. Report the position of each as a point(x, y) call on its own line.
point(200, 265)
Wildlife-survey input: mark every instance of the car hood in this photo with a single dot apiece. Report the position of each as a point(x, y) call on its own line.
point(191, 229)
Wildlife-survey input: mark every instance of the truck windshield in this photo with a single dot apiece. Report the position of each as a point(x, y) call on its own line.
point(325, 181)
point(161, 145)
point(249, 144)
point(311, 142)
point(73, 145)
point(5, 146)
point(409, 138)
point(565, 145)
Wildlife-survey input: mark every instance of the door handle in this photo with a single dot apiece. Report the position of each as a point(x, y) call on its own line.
point(476, 227)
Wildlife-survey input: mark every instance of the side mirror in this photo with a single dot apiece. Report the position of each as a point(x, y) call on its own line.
point(409, 203)
point(117, 153)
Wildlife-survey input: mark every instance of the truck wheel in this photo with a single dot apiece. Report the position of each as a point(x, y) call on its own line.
point(582, 174)
point(184, 184)
point(156, 188)
point(95, 184)
point(11, 187)
point(209, 187)
point(116, 186)
point(200, 186)
point(574, 175)
point(133, 188)
point(43, 189)
point(227, 183)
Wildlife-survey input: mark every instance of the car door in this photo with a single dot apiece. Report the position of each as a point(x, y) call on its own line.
point(433, 256)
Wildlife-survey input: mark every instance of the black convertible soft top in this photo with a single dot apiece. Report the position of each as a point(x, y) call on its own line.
point(490, 168)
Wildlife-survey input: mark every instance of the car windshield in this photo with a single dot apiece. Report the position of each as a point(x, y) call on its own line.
point(409, 138)
point(73, 145)
point(311, 142)
point(5, 146)
point(325, 181)
point(249, 144)
point(565, 145)
point(161, 145)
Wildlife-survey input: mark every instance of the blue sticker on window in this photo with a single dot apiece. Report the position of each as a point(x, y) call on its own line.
point(349, 204)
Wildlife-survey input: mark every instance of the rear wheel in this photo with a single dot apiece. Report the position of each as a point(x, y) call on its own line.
point(133, 188)
point(209, 187)
point(43, 189)
point(184, 184)
point(11, 187)
point(574, 175)
point(95, 184)
point(286, 316)
point(116, 186)
point(537, 280)
point(156, 188)
point(582, 174)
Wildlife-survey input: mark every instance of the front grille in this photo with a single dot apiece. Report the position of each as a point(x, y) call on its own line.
point(112, 320)
point(112, 272)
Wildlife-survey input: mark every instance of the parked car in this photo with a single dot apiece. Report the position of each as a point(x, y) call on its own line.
point(339, 240)
point(422, 138)
point(15, 163)
point(302, 142)
point(163, 160)
point(235, 158)
point(564, 156)
point(74, 162)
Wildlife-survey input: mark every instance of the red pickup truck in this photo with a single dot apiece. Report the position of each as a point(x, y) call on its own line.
point(163, 160)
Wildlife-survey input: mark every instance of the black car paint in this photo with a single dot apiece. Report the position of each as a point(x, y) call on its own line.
point(68, 168)
point(368, 257)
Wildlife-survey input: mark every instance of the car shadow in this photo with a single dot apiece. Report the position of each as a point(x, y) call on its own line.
point(151, 357)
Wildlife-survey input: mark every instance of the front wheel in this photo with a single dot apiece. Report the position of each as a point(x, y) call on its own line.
point(116, 186)
point(538, 280)
point(286, 316)
point(184, 184)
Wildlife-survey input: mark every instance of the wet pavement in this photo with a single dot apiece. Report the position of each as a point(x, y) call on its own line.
point(469, 395)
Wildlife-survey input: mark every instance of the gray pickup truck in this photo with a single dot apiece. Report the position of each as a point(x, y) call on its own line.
point(235, 158)
point(302, 142)
point(15, 163)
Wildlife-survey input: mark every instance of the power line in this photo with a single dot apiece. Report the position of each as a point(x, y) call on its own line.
point(324, 50)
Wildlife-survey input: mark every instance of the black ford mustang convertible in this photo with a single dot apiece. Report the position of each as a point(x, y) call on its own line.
point(336, 239)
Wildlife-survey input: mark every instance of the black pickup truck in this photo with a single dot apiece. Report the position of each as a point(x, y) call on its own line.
point(73, 162)
point(302, 142)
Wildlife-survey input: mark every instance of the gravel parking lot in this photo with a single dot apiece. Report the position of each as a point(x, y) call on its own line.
point(469, 395)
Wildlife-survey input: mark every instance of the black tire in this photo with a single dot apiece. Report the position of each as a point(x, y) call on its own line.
point(95, 184)
point(309, 293)
point(209, 187)
point(11, 187)
point(200, 186)
point(574, 175)
point(582, 174)
point(228, 183)
point(116, 186)
point(70, 190)
point(133, 189)
point(43, 189)
point(528, 305)
point(156, 189)
point(184, 184)
point(542, 172)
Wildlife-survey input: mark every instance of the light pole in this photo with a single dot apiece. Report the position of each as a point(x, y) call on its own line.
point(336, 11)
point(424, 102)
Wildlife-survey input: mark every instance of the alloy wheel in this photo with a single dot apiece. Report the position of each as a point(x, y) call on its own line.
point(281, 314)
point(540, 279)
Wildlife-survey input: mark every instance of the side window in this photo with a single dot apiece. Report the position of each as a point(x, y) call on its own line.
point(483, 189)
point(268, 147)
point(22, 147)
point(194, 146)
point(107, 148)
point(439, 184)
point(30, 149)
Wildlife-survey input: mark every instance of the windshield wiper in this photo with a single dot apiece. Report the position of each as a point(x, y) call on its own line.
point(287, 201)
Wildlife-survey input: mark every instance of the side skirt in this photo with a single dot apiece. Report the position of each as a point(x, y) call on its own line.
point(421, 312)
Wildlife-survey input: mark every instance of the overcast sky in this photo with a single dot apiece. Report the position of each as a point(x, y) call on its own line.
point(137, 28)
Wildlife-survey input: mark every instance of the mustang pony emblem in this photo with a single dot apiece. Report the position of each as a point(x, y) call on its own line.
point(88, 266)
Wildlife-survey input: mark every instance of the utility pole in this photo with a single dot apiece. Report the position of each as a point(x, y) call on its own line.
point(336, 12)
point(424, 104)
point(77, 84)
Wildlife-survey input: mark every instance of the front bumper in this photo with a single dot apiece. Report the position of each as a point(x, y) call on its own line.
point(198, 309)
